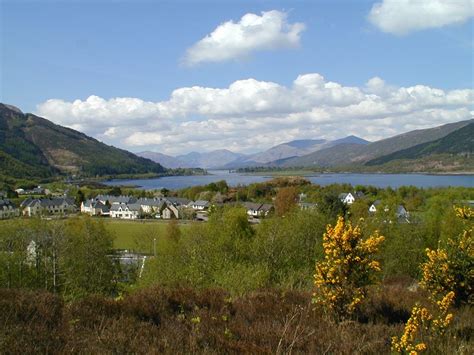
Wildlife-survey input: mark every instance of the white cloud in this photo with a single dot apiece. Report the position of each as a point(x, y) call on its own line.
point(252, 115)
point(401, 17)
point(234, 40)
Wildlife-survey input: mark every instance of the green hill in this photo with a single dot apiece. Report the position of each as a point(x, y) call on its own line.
point(351, 154)
point(457, 142)
point(31, 146)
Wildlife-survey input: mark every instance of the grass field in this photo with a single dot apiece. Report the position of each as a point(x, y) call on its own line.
point(137, 235)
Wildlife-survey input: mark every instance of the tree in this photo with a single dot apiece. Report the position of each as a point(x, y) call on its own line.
point(285, 200)
point(331, 205)
point(85, 261)
point(348, 267)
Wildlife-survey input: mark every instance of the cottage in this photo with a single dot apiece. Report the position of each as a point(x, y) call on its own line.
point(170, 212)
point(151, 205)
point(48, 206)
point(178, 201)
point(95, 208)
point(347, 198)
point(257, 209)
point(200, 205)
point(125, 211)
point(8, 209)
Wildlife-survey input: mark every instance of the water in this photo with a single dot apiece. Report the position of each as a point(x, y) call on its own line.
point(234, 179)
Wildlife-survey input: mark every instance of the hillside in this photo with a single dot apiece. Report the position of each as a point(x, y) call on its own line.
point(289, 150)
point(31, 146)
point(350, 154)
point(460, 141)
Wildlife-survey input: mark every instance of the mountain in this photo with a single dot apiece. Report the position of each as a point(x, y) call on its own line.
point(206, 160)
point(460, 141)
point(350, 153)
point(31, 146)
point(167, 161)
point(286, 151)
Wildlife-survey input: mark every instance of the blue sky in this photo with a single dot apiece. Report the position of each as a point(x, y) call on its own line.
point(67, 51)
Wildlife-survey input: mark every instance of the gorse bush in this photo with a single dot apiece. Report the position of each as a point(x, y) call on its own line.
point(448, 278)
point(350, 265)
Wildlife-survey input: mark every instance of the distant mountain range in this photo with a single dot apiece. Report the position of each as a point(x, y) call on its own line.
point(33, 147)
point(226, 159)
point(354, 154)
point(444, 148)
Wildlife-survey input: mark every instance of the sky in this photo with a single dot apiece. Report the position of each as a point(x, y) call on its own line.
point(180, 76)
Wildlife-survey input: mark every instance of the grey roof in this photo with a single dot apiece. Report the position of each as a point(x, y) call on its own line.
point(178, 201)
point(202, 203)
point(343, 195)
point(266, 207)
point(377, 202)
point(157, 202)
point(131, 207)
point(116, 199)
point(49, 202)
point(252, 205)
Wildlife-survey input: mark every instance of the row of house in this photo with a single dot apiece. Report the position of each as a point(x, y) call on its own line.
point(8, 209)
point(48, 206)
point(126, 207)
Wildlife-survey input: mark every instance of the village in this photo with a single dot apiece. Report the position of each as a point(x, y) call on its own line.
point(165, 208)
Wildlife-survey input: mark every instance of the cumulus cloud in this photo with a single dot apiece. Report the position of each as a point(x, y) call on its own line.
point(234, 40)
point(401, 17)
point(252, 115)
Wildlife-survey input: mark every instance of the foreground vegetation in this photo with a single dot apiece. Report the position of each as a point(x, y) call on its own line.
point(330, 279)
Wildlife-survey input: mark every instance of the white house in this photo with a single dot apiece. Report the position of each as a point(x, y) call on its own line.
point(151, 205)
point(200, 205)
point(347, 198)
point(95, 208)
point(8, 209)
point(125, 211)
point(257, 209)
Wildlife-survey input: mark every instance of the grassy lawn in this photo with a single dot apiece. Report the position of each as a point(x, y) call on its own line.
point(137, 235)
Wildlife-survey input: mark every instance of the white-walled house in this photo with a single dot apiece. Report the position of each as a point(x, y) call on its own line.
point(169, 212)
point(257, 209)
point(95, 208)
point(200, 205)
point(125, 211)
point(347, 198)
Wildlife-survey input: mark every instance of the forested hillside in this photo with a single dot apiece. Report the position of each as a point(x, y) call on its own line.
point(31, 146)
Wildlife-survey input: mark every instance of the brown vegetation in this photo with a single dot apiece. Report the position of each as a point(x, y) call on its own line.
point(181, 320)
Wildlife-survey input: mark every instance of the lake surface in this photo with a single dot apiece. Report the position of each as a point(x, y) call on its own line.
point(234, 179)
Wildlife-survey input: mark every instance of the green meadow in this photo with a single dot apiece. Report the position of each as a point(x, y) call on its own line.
point(138, 235)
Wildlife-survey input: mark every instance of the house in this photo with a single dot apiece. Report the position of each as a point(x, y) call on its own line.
point(125, 211)
point(257, 209)
point(8, 209)
point(170, 211)
point(48, 206)
point(200, 205)
point(95, 208)
point(151, 205)
point(347, 198)
point(179, 201)
point(401, 213)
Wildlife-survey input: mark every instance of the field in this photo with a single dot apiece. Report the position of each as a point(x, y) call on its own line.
point(138, 235)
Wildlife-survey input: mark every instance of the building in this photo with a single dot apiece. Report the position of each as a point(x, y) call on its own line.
point(95, 208)
point(347, 198)
point(151, 206)
point(170, 211)
point(200, 205)
point(257, 209)
point(8, 209)
point(179, 201)
point(304, 206)
point(126, 211)
point(48, 206)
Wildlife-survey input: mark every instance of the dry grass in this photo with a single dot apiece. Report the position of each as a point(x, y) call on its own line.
point(182, 320)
